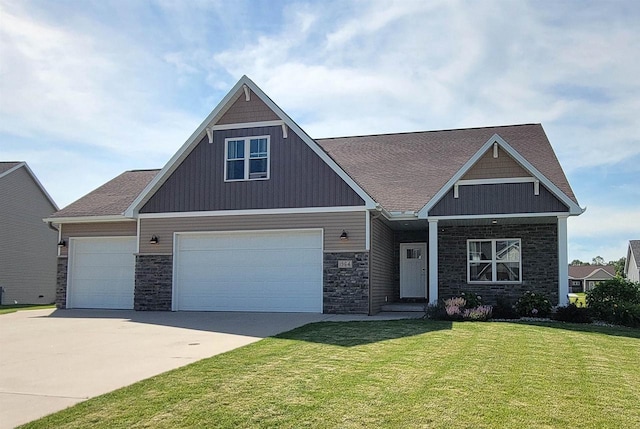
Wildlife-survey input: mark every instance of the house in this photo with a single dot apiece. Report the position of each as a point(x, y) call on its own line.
point(583, 278)
point(27, 245)
point(632, 264)
point(252, 214)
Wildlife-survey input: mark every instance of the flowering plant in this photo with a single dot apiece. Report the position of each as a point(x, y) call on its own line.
point(532, 304)
point(458, 308)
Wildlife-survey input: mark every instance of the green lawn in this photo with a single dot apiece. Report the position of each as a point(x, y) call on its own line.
point(412, 373)
point(580, 300)
point(4, 309)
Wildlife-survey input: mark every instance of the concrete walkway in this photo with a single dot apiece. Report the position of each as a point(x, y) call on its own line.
point(52, 359)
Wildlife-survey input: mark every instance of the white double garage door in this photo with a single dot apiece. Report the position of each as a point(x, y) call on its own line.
point(275, 271)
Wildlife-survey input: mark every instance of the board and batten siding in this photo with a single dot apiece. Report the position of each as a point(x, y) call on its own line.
point(27, 244)
point(332, 224)
point(298, 178)
point(488, 167)
point(242, 111)
point(500, 198)
point(382, 265)
point(96, 229)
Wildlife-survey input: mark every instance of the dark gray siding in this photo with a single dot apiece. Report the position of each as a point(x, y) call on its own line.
point(298, 178)
point(497, 199)
point(382, 265)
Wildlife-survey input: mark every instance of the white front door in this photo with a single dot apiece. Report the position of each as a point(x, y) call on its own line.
point(413, 270)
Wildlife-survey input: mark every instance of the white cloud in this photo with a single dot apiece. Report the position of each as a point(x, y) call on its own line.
point(61, 83)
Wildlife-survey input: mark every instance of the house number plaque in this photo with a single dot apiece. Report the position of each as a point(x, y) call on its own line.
point(345, 264)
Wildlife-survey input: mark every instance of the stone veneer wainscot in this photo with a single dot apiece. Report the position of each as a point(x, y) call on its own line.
point(539, 255)
point(153, 285)
point(346, 290)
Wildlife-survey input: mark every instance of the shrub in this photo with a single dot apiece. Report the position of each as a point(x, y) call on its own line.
point(572, 313)
point(608, 297)
point(504, 310)
point(616, 301)
point(532, 304)
point(472, 299)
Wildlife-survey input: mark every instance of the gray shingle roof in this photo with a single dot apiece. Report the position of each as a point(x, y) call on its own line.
point(404, 171)
point(584, 271)
point(635, 248)
point(6, 166)
point(112, 198)
point(400, 171)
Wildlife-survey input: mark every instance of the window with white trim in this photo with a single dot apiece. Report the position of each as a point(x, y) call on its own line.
point(494, 261)
point(246, 158)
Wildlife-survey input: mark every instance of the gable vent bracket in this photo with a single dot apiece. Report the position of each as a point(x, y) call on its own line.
point(536, 187)
point(495, 149)
point(284, 130)
point(247, 93)
point(455, 191)
point(210, 134)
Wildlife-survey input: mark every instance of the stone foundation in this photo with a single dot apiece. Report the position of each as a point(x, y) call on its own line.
point(153, 283)
point(346, 290)
point(61, 283)
point(539, 255)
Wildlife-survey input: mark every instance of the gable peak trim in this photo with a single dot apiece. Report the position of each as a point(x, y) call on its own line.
point(498, 142)
point(246, 85)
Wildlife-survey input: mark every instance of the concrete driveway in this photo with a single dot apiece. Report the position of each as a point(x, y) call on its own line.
point(51, 359)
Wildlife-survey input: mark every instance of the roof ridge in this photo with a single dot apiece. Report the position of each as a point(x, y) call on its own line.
point(427, 131)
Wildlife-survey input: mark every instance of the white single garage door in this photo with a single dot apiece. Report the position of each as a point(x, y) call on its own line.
point(275, 271)
point(101, 272)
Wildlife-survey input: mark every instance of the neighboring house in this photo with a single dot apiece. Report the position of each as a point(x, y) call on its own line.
point(583, 278)
point(632, 264)
point(252, 214)
point(27, 245)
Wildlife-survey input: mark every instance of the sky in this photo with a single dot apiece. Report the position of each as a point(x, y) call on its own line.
point(89, 89)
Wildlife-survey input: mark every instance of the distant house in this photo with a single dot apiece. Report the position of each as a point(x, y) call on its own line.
point(27, 245)
point(632, 265)
point(583, 278)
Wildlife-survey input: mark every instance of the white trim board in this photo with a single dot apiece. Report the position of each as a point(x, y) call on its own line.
point(192, 142)
point(302, 210)
point(88, 219)
point(574, 209)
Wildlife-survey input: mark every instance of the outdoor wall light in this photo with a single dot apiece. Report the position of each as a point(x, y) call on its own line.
point(344, 235)
point(154, 239)
point(494, 222)
point(62, 243)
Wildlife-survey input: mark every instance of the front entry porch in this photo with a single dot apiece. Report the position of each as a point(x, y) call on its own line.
point(496, 258)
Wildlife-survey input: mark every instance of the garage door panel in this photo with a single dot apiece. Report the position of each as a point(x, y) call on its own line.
point(102, 273)
point(265, 271)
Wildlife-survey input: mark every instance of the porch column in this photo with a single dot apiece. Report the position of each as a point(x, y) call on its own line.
point(433, 261)
point(563, 263)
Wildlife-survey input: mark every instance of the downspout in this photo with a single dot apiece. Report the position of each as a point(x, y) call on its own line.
point(50, 225)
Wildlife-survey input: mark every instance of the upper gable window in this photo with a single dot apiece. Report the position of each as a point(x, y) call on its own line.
point(246, 158)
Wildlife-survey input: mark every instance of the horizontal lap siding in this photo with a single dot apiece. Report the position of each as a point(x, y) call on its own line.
point(497, 199)
point(298, 178)
point(382, 264)
point(332, 223)
point(27, 245)
point(98, 229)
